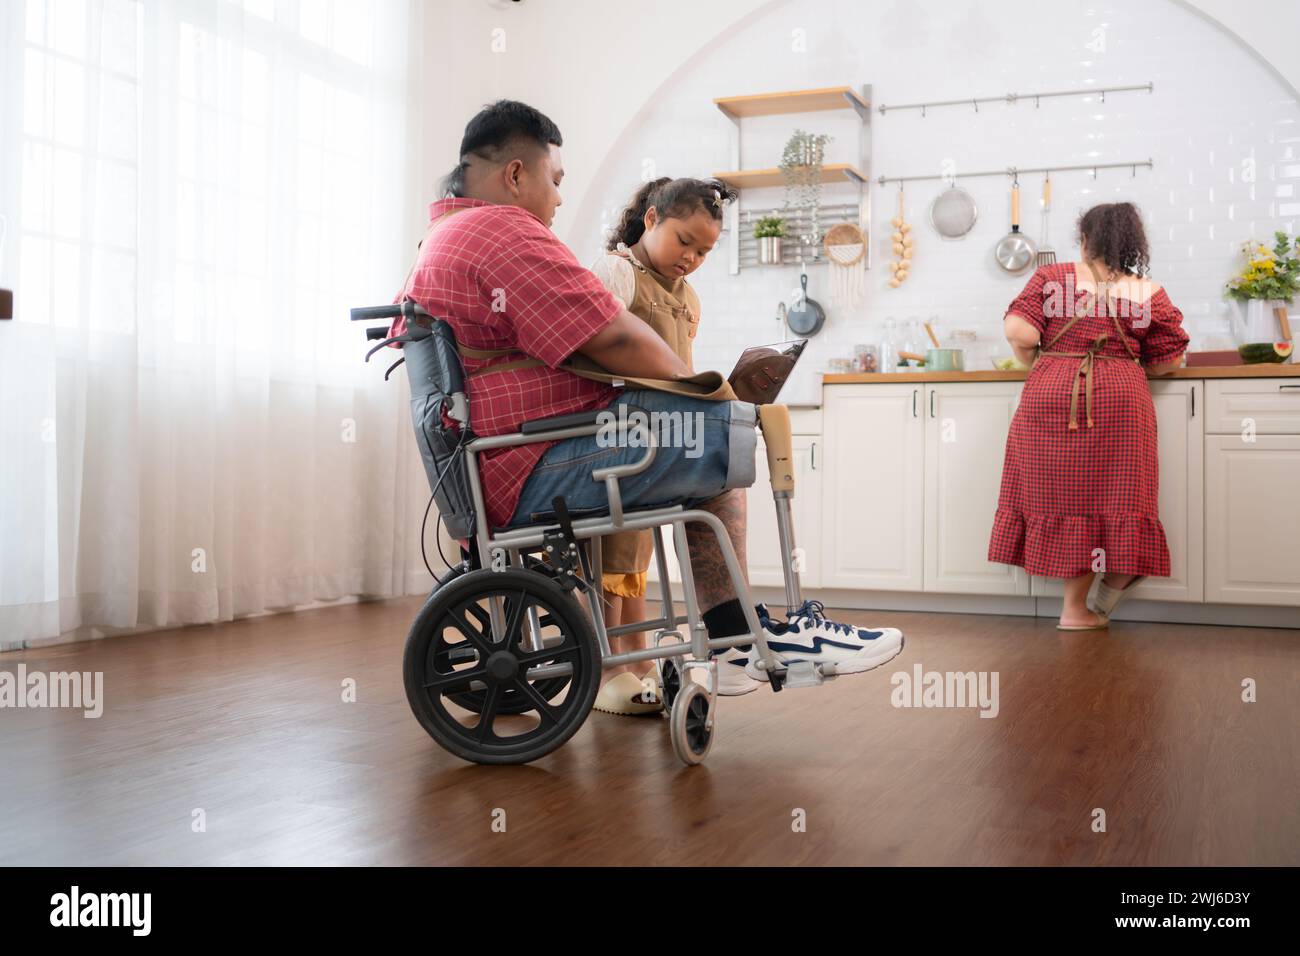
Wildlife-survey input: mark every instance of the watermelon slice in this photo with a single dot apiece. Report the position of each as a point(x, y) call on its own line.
point(1257, 352)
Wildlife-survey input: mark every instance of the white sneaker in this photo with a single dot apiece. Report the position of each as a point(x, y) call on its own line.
point(733, 676)
point(807, 635)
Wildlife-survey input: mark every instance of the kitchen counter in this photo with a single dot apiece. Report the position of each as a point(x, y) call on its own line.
point(1266, 370)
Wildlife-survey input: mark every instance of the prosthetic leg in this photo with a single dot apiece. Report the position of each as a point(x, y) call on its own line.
point(775, 423)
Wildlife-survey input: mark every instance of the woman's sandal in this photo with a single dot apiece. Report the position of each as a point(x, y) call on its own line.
point(1103, 599)
point(626, 694)
point(1105, 623)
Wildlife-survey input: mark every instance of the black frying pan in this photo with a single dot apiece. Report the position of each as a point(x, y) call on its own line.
point(806, 316)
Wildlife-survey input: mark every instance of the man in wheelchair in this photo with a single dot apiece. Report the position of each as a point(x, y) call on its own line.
point(521, 306)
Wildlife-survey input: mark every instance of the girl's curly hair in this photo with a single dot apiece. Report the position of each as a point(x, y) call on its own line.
point(672, 199)
point(1113, 234)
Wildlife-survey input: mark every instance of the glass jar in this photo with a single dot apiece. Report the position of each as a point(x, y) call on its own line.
point(889, 347)
point(974, 353)
point(865, 359)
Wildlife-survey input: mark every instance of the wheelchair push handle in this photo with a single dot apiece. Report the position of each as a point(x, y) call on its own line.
point(407, 307)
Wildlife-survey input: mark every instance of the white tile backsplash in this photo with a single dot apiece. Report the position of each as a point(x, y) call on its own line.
point(1221, 128)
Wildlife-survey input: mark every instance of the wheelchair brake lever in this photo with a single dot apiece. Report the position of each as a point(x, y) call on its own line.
point(566, 527)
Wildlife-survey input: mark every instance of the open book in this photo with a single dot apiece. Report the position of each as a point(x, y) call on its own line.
point(761, 371)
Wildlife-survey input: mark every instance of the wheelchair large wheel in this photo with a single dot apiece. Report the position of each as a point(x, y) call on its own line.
point(452, 650)
point(511, 701)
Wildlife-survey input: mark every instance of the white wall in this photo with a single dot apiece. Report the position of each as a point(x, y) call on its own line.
point(1216, 110)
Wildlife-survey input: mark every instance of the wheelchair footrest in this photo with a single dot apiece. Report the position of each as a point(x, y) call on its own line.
point(808, 674)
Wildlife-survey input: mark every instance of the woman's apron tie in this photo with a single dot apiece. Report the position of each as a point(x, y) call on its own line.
point(1090, 357)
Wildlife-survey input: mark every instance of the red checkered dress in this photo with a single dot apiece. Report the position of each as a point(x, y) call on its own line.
point(502, 279)
point(1068, 492)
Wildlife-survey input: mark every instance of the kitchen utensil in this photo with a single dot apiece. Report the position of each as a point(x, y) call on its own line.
point(911, 356)
point(953, 212)
point(806, 316)
point(1283, 323)
point(1214, 357)
point(1046, 254)
point(945, 360)
point(929, 330)
point(1015, 251)
point(845, 247)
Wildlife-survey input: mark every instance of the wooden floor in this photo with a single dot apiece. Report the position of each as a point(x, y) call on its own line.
point(245, 721)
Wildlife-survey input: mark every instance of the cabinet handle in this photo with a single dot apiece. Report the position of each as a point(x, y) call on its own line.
point(914, 403)
point(813, 456)
point(1283, 388)
point(932, 403)
point(1193, 401)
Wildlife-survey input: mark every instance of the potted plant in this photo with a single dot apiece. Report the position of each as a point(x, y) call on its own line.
point(1269, 281)
point(769, 230)
point(801, 168)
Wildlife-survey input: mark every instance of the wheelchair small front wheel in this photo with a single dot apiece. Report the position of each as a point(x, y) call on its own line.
point(454, 649)
point(689, 724)
point(670, 669)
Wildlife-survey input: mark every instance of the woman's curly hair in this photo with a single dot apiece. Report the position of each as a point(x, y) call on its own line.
point(1112, 233)
point(672, 199)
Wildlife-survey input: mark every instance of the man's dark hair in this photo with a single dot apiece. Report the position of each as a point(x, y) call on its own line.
point(497, 128)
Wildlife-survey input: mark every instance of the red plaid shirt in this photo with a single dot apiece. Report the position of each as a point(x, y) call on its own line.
point(502, 279)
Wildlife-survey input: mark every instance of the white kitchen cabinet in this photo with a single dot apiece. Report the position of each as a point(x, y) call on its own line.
point(966, 425)
point(1252, 528)
point(1180, 414)
point(806, 507)
point(872, 488)
point(1252, 553)
point(1266, 406)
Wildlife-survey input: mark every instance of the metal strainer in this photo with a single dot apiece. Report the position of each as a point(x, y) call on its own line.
point(953, 213)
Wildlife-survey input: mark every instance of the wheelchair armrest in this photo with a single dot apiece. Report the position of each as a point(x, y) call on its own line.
point(572, 426)
point(573, 420)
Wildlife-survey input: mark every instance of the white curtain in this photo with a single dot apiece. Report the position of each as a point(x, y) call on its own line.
point(196, 191)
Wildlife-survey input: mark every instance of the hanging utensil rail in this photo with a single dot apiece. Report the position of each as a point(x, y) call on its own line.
point(1014, 171)
point(1012, 98)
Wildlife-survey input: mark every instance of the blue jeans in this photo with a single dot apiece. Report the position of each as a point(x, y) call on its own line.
point(705, 448)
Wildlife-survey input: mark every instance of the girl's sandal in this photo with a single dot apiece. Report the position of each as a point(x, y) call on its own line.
point(627, 695)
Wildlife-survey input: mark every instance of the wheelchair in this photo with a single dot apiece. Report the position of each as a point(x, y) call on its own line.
point(503, 661)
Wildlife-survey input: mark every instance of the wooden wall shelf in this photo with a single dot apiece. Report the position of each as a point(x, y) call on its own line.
point(756, 178)
point(794, 101)
point(738, 108)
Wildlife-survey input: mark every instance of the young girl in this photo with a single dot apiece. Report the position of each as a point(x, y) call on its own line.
point(661, 238)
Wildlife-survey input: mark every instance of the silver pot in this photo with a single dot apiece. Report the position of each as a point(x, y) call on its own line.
point(769, 250)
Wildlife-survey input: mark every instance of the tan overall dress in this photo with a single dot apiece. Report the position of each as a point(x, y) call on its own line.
point(672, 309)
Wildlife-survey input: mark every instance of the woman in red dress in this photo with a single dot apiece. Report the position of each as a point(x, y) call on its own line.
point(1080, 482)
